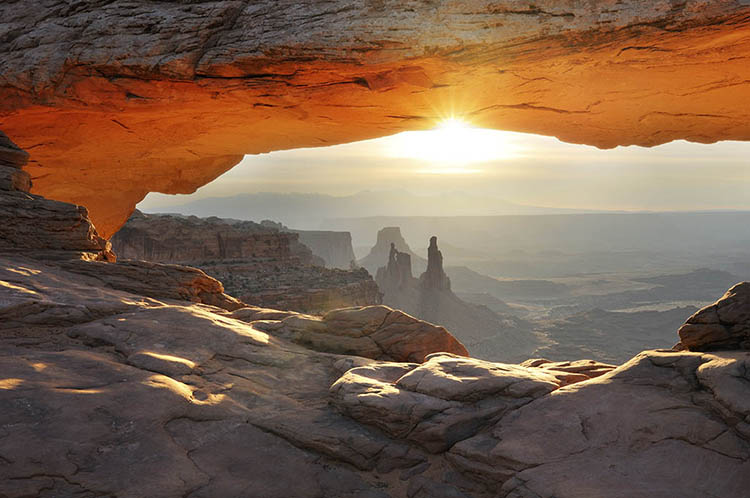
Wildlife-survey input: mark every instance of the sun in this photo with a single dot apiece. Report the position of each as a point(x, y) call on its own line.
point(451, 146)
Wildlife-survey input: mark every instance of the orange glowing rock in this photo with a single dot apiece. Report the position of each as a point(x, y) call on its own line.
point(179, 92)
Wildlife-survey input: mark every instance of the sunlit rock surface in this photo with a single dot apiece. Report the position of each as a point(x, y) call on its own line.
point(117, 99)
point(648, 428)
point(100, 386)
point(377, 332)
point(119, 380)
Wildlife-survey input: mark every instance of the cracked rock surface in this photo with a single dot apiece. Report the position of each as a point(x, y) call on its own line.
point(644, 429)
point(115, 99)
point(101, 386)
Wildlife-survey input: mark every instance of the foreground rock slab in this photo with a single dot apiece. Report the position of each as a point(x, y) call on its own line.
point(649, 428)
point(438, 403)
point(100, 386)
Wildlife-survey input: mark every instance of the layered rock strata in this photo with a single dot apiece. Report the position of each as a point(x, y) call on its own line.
point(62, 234)
point(183, 239)
point(303, 288)
point(722, 325)
point(32, 224)
point(260, 264)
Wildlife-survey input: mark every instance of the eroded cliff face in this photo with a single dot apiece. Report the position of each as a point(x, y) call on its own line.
point(257, 263)
point(117, 99)
point(181, 239)
point(333, 248)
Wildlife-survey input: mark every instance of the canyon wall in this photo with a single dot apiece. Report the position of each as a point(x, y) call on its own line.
point(257, 263)
point(334, 247)
point(181, 91)
point(181, 239)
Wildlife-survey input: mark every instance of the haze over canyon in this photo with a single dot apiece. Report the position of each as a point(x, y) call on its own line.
point(445, 249)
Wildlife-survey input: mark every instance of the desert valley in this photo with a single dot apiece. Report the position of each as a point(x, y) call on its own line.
point(374, 249)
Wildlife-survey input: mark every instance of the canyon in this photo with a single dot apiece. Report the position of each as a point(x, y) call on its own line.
point(111, 369)
point(132, 378)
point(262, 264)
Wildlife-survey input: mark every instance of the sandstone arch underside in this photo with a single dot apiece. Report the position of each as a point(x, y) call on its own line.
point(115, 99)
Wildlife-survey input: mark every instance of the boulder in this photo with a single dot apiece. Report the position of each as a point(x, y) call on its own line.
point(377, 332)
point(722, 325)
point(446, 399)
point(649, 428)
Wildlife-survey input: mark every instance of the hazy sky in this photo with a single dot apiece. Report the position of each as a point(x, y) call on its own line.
point(520, 168)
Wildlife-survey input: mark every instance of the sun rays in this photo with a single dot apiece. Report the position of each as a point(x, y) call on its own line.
point(452, 147)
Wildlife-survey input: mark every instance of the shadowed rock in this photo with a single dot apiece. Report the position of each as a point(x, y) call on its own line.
point(11, 155)
point(31, 224)
point(434, 278)
point(722, 325)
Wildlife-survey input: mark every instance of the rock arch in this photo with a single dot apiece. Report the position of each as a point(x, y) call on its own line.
point(117, 99)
